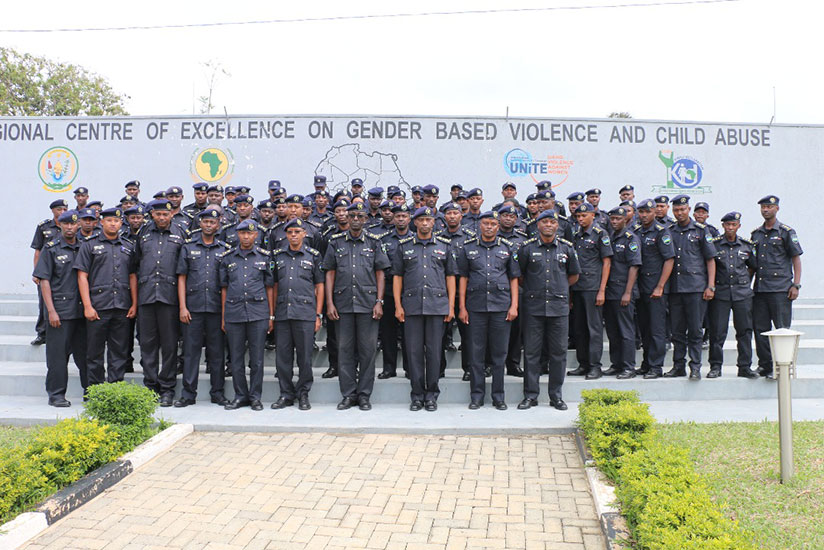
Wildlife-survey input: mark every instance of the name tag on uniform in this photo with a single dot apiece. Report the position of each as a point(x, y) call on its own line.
point(175, 238)
point(619, 246)
point(472, 253)
point(562, 257)
point(306, 264)
point(649, 240)
point(408, 253)
point(194, 253)
point(98, 247)
point(62, 258)
point(743, 254)
point(439, 252)
point(261, 265)
point(538, 254)
point(692, 237)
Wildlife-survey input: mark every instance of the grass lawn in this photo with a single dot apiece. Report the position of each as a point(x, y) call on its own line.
point(12, 435)
point(740, 462)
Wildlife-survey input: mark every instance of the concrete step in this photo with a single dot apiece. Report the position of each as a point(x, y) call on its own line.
point(27, 379)
point(18, 306)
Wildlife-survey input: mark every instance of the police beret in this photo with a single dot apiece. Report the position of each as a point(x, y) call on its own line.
point(460, 196)
point(200, 186)
point(159, 195)
point(451, 205)
point(703, 205)
point(395, 193)
point(400, 208)
point(584, 207)
point(508, 209)
point(243, 189)
point(295, 222)
point(137, 209)
point(244, 199)
point(769, 199)
point(593, 191)
point(576, 196)
point(81, 191)
point(376, 192)
point(474, 192)
point(294, 199)
point(278, 191)
point(456, 186)
point(661, 199)
point(265, 204)
point(646, 204)
point(133, 183)
point(230, 189)
point(545, 194)
point(127, 198)
point(322, 193)
point(626, 188)
point(114, 212)
point(392, 189)
point(431, 189)
point(681, 199)
point(357, 181)
point(319, 180)
point(59, 203)
point(216, 187)
point(341, 203)
point(385, 204)
point(158, 204)
point(247, 225)
point(618, 211)
point(207, 213)
point(307, 202)
point(274, 184)
point(356, 207)
point(424, 211)
point(68, 216)
point(174, 190)
point(628, 203)
point(508, 184)
point(543, 184)
point(93, 203)
point(340, 194)
point(551, 213)
point(416, 189)
point(493, 214)
point(86, 213)
point(279, 200)
point(731, 217)
point(531, 197)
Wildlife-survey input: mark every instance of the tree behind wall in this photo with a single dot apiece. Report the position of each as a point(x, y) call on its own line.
point(38, 86)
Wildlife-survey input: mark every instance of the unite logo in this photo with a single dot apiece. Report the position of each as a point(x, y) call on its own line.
point(519, 163)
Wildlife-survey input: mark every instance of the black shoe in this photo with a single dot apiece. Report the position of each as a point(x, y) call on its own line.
point(269, 347)
point(642, 370)
point(747, 373)
point(626, 375)
point(500, 405)
point(39, 340)
point(236, 404)
point(560, 405)
point(257, 405)
point(764, 372)
point(431, 405)
point(695, 374)
point(612, 371)
point(222, 401)
point(527, 403)
point(450, 347)
point(364, 404)
point(282, 403)
point(580, 371)
point(675, 373)
point(167, 399)
point(331, 372)
point(487, 372)
point(475, 405)
point(714, 372)
point(387, 374)
point(303, 402)
point(652, 375)
point(416, 405)
point(347, 403)
point(59, 402)
point(516, 371)
point(183, 402)
point(594, 373)
point(465, 376)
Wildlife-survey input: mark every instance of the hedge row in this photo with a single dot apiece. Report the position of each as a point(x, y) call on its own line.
point(666, 503)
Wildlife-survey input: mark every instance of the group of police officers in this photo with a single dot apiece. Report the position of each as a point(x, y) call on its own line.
point(238, 277)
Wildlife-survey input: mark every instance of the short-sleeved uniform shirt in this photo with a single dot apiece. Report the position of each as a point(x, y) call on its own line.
point(424, 266)
point(156, 251)
point(200, 262)
point(56, 265)
point(544, 271)
point(108, 263)
point(733, 263)
point(245, 274)
point(693, 247)
point(656, 248)
point(355, 261)
point(592, 245)
point(626, 253)
point(488, 268)
point(46, 231)
point(296, 274)
point(775, 248)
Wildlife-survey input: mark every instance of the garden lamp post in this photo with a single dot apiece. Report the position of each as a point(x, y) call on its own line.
point(784, 347)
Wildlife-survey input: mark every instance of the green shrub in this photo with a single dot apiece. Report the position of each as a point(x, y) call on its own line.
point(603, 396)
point(22, 483)
point(127, 408)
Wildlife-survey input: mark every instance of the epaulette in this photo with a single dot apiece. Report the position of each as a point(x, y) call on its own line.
point(467, 241)
point(312, 251)
point(700, 225)
point(310, 222)
point(50, 244)
point(44, 222)
point(785, 227)
point(126, 238)
point(90, 237)
point(193, 231)
point(659, 227)
point(716, 239)
point(469, 231)
point(443, 240)
point(521, 233)
point(262, 250)
point(628, 234)
point(566, 242)
point(597, 228)
point(530, 222)
point(337, 235)
point(378, 236)
point(224, 244)
point(562, 217)
point(185, 213)
point(532, 240)
point(749, 242)
point(507, 241)
point(406, 240)
point(222, 254)
point(277, 251)
point(227, 226)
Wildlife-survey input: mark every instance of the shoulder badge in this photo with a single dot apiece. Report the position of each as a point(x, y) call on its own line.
point(277, 251)
point(507, 241)
point(561, 239)
point(786, 227)
point(743, 240)
point(701, 225)
point(377, 236)
point(337, 235)
point(659, 227)
point(521, 233)
point(534, 239)
point(443, 240)
point(406, 240)
point(312, 251)
point(44, 222)
point(469, 231)
point(50, 244)
point(716, 239)
point(469, 240)
point(262, 251)
point(530, 222)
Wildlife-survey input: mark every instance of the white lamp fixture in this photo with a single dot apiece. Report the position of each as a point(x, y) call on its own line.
point(784, 347)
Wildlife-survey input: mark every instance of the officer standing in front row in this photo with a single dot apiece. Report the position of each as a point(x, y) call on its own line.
point(247, 303)
point(46, 231)
point(198, 291)
point(66, 328)
point(734, 266)
point(549, 266)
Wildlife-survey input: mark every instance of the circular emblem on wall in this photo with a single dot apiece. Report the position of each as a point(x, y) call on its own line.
point(57, 169)
point(212, 165)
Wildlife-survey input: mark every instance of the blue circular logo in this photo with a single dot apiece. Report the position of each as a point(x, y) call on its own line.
point(517, 163)
point(686, 173)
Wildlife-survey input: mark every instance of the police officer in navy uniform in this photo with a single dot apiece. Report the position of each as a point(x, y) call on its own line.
point(621, 294)
point(549, 266)
point(593, 197)
point(81, 197)
point(471, 219)
point(198, 291)
point(247, 304)
point(657, 259)
point(507, 216)
point(158, 319)
point(180, 217)
point(66, 329)
point(662, 207)
point(88, 224)
point(430, 200)
point(700, 213)
point(354, 264)
point(46, 231)
point(390, 329)
point(201, 199)
point(374, 198)
point(488, 301)
point(626, 193)
point(299, 297)
point(777, 279)
point(692, 285)
point(594, 250)
point(106, 278)
point(734, 265)
point(424, 290)
point(244, 204)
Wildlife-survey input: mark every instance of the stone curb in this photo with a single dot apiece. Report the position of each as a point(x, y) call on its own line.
point(28, 525)
point(613, 524)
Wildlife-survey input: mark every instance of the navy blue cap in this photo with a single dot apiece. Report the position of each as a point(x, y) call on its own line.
point(681, 199)
point(392, 189)
point(266, 204)
point(551, 213)
point(81, 191)
point(247, 225)
point(508, 184)
point(86, 213)
point(295, 222)
point(430, 190)
point(508, 209)
point(400, 208)
point(356, 207)
point(174, 190)
point(209, 213)
point(474, 192)
point(294, 199)
point(200, 186)
point(158, 204)
point(646, 204)
point(626, 188)
point(92, 203)
point(493, 214)
point(320, 181)
point(731, 217)
point(322, 193)
point(248, 199)
point(133, 183)
point(230, 189)
point(395, 193)
point(543, 184)
point(59, 203)
point(114, 212)
point(618, 211)
point(136, 209)
point(461, 196)
point(575, 196)
point(385, 204)
point(159, 195)
point(450, 206)
point(307, 202)
point(661, 199)
point(545, 194)
point(343, 202)
point(243, 189)
point(68, 216)
point(356, 181)
point(423, 211)
point(376, 192)
point(127, 198)
point(215, 187)
point(703, 205)
point(274, 184)
point(628, 203)
point(457, 186)
point(531, 197)
point(584, 207)
point(279, 200)
point(769, 199)
point(593, 191)
point(278, 190)
point(417, 189)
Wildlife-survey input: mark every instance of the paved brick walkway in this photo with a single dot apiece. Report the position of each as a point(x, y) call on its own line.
point(395, 492)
